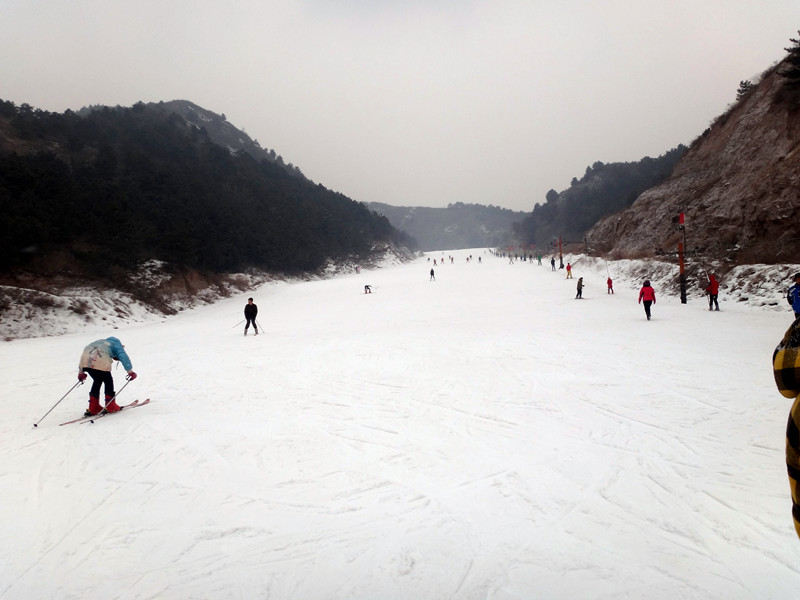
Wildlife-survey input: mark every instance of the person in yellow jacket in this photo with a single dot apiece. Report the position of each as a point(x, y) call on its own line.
point(786, 368)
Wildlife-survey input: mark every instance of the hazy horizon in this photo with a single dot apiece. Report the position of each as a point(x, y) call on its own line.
point(414, 103)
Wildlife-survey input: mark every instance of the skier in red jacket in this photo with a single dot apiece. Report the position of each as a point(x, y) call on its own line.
point(712, 291)
point(648, 295)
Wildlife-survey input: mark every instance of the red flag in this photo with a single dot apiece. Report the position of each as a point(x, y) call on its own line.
point(681, 219)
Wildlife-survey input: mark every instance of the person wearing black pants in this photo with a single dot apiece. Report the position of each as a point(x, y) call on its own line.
point(712, 291)
point(101, 378)
point(250, 312)
point(647, 296)
point(96, 360)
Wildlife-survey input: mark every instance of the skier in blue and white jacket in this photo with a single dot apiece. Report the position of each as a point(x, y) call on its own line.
point(97, 360)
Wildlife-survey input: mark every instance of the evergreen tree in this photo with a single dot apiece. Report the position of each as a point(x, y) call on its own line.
point(745, 87)
point(791, 71)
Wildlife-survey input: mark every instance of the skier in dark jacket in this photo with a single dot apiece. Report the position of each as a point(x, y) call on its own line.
point(250, 312)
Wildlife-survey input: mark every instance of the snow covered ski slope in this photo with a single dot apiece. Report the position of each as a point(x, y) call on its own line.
point(484, 435)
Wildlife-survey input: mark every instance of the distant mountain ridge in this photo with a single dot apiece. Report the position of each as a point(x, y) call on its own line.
point(455, 227)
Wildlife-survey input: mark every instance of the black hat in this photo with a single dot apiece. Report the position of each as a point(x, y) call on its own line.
point(797, 276)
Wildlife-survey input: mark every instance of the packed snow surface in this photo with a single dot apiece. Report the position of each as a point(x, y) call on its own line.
point(483, 435)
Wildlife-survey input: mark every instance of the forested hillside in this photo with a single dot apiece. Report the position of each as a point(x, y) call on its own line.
point(112, 188)
point(603, 190)
point(222, 132)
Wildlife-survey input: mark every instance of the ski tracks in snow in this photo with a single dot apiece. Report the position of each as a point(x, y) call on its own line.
point(486, 437)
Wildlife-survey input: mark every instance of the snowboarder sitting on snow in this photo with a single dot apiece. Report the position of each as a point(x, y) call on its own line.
point(96, 360)
point(367, 289)
point(786, 368)
point(250, 312)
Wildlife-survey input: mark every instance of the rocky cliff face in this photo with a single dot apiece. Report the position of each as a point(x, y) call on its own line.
point(738, 185)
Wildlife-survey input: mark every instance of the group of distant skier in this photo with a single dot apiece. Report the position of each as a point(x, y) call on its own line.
point(99, 356)
point(785, 364)
point(435, 263)
point(647, 295)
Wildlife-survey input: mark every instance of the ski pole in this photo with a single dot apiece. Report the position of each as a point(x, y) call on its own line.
point(120, 389)
point(57, 403)
point(239, 323)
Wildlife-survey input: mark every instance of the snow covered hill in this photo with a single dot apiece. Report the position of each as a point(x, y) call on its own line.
point(483, 435)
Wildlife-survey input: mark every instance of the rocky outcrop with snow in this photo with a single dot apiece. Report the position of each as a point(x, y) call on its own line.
point(738, 185)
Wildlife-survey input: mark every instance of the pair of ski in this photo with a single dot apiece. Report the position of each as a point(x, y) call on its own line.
point(93, 418)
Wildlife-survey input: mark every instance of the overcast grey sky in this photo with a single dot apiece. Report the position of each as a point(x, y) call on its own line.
point(411, 102)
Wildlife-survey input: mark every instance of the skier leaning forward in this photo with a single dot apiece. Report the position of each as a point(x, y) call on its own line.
point(96, 360)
